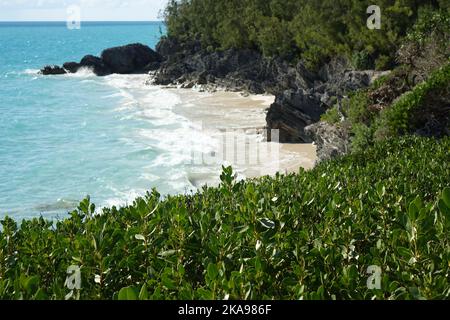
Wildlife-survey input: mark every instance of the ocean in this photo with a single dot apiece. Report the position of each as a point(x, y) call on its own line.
point(112, 138)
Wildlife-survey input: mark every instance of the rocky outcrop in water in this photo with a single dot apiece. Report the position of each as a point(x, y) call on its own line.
point(133, 58)
point(96, 64)
point(52, 70)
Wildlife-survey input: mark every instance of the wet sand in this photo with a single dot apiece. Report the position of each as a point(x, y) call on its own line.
point(228, 111)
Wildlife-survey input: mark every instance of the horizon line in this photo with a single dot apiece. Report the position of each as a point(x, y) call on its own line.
point(64, 21)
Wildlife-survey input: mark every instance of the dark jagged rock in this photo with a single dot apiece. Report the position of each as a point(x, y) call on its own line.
point(332, 141)
point(291, 113)
point(96, 64)
point(231, 69)
point(71, 67)
point(153, 66)
point(92, 62)
point(52, 70)
point(167, 47)
point(302, 96)
point(338, 78)
point(132, 58)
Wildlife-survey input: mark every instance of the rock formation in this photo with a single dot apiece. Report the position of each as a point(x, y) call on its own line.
point(132, 58)
point(331, 141)
point(52, 70)
point(302, 96)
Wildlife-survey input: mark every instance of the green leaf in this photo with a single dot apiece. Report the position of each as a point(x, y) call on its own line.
point(168, 253)
point(168, 283)
point(212, 271)
point(128, 293)
point(143, 294)
point(446, 196)
point(40, 295)
point(266, 223)
point(405, 252)
point(31, 284)
point(139, 237)
point(414, 209)
point(258, 264)
point(244, 229)
point(381, 189)
point(444, 208)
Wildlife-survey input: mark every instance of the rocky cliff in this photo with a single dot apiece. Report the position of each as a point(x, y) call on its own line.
point(301, 96)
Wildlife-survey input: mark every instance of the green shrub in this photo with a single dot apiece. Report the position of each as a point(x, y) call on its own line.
point(356, 108)
point(361, 60)
point(380, 81)
point(397, 119)
point(310, 235)
point(427, 45)
point(331, 116)
point(311, 30)
point(384, 63)
point(430, 22)
point(361, 137)
point(274, 38)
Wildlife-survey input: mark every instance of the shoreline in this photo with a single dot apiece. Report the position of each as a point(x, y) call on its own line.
point(217, 109)
point(244, 113)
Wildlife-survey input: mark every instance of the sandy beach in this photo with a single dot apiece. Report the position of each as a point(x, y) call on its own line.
point(220, 113)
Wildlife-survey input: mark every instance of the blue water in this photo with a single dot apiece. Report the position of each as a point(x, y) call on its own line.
point(65, 137)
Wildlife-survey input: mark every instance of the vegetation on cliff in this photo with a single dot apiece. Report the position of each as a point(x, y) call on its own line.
point(308, 29)
point(414, 98)
point(311, 235)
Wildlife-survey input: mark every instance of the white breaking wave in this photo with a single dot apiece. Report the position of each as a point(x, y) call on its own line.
point(171, 126)
point(123, 198)
point(31, 71)
point(83, 72)
point(172, 135)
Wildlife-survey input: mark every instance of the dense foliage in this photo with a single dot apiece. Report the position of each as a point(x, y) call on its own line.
point(413, 98)
point(398, 119)
point(310, 29)
point(310, 235)
point(370, 120)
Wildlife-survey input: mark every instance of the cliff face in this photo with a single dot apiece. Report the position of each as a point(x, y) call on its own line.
point(331, 141)
point(296, 109)
point(231, 69)
point(301, 96)
point(292, 111)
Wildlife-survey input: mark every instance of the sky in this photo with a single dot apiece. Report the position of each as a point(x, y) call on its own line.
point(90, 10)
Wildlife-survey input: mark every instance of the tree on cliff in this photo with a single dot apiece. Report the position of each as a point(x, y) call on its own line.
point(308, 29)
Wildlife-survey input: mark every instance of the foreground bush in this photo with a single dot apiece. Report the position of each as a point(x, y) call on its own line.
point(311, 235)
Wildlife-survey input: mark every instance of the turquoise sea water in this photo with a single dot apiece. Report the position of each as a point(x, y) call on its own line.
point(65, 137)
